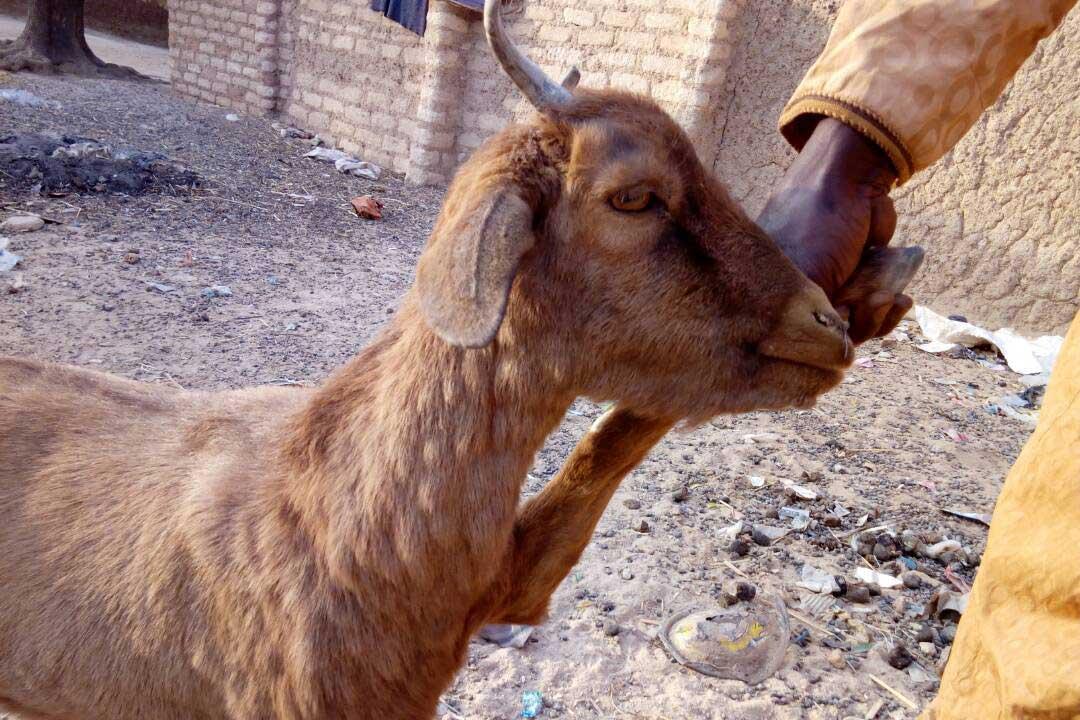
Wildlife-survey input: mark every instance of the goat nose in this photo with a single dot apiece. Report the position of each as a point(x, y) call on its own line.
point(810, 331)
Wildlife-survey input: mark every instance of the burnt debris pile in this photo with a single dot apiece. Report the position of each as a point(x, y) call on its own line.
point(60, 165)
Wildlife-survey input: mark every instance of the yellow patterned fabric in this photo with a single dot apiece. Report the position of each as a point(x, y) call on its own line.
point(915, 75)
point(1017, 652)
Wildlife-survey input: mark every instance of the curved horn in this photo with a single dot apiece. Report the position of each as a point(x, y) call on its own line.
point(545, 95)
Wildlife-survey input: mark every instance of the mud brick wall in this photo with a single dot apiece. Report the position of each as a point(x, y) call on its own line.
point(226, 52)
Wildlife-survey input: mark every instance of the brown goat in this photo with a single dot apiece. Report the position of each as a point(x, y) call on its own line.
point(283, 553)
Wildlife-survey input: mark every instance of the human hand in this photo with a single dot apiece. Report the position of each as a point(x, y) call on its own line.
point(830, 207)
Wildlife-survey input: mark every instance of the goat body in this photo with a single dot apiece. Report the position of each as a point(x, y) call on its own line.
point(284, 553)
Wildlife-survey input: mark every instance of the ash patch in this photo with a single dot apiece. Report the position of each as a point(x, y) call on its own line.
point(58, 165)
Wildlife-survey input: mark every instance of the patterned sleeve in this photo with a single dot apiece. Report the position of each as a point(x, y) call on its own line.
point(915, 75)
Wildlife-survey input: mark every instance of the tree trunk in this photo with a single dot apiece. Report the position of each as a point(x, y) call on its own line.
point(54, 41)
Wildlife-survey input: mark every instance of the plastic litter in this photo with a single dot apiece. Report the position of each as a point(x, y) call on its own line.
point(756, 481)
point(983, 518)
point(345, 163)
point(817, 580)
point(8, 259)
point(938, 549)
point(746, 641)
point(161, 287)
point(359, 168)
point(216, 291)
point(514, 636)
point(948, 606)
point(1027, 357)
point(816, 604)
point(800, 519)
point(885, 582)
point(732, 531)
point(532, 703)
point(801, 492)
point(27, 99)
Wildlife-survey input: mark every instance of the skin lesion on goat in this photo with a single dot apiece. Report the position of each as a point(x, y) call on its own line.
point(328, 553)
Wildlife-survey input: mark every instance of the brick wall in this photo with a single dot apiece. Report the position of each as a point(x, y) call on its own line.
point(226, 52)
point(419, 105)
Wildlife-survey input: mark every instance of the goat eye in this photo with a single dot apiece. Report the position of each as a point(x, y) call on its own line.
point(634, 200)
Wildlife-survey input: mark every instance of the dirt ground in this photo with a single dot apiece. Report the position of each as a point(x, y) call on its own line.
point(904, 436)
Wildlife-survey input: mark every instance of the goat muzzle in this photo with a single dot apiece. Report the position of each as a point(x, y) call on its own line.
point(810, 332)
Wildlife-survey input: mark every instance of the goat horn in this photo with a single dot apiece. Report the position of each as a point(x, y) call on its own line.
point(544, 94)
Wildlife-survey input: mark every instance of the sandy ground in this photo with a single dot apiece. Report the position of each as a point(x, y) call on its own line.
point(904, 436)
point(150, 60)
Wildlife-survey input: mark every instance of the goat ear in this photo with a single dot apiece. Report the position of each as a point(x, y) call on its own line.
point(465, 274)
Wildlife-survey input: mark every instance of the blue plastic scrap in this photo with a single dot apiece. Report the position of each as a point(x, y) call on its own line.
point(532, 702)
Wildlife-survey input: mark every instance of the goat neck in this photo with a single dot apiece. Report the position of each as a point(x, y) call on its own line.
point(409, 461)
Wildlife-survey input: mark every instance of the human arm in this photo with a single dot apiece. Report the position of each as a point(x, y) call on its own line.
point(908, 78)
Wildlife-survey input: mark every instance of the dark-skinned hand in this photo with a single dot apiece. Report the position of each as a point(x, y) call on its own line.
point(832, 204)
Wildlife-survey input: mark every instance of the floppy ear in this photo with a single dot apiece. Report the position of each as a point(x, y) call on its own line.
point(465, 274)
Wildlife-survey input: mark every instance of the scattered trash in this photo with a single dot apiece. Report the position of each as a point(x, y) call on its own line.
point(757, 481)
point(514, 636)
point(800, 491)
point(1010, 412)
point(732, 531)
point(864, 362)
point(28, 99)
point(161, 287)
point(766, 535)
point(295, 133)
point(61, 164)
point(983, 518)
point(232, 117)
point(956, 436)
point(947, 606)
point(86, 149)
point(8, 259)
point(1027, 357)
point(938, 549)
point(762, 437)
point(345, 163)
point(800, 519)
point(802, 639)
point(22, 224)
point(816, 605)
point(626, 573)
point(216, 291)
point(359, 168)
point(367, 207)
point(744, 642)
point(532, 703)
point(917, 675)
point(840, 511)
point(817, 580)
point(886, 582)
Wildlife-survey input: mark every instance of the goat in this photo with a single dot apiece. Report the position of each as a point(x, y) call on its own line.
point(328, 553)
